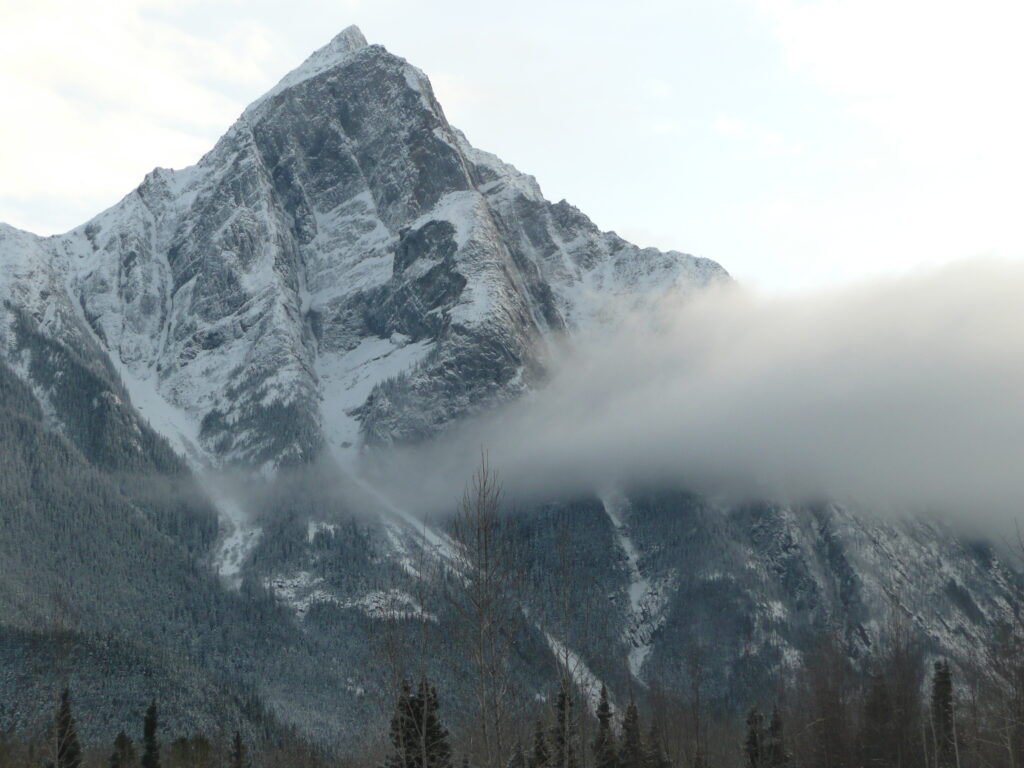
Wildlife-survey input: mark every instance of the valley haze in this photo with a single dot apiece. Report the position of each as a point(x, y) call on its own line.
point(901, 395)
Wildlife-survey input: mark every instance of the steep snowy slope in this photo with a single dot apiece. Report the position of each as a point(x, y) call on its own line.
point(342, 267)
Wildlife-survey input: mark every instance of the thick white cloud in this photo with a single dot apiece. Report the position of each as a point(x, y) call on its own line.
point(901, 395)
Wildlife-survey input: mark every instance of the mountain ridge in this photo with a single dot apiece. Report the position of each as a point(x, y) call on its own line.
point(133, 266)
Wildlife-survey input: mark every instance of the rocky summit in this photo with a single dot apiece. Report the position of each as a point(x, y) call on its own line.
point(186, 376)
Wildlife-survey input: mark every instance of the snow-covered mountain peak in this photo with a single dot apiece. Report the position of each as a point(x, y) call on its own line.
point(346, 42)
point(342, 267)
point(349, 39)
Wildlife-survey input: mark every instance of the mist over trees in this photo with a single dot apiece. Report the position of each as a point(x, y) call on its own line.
point(898, 708)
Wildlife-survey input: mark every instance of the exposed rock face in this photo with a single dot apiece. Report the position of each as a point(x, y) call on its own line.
point(342, 266)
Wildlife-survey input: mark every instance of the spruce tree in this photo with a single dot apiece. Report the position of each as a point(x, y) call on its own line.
point(403, 727)
point(942, 716)
point(775, 755)
point(518, 759)
point(436, 748)
point(124, 753)
point(656, 757)
point(563, 735)
point(604, 742)
point(754, 744)
point(150, 743)
point(417, 735)
point(238, 757)
point(878, 731)
point(631, 749)
point(540, 757)
point(69, 751)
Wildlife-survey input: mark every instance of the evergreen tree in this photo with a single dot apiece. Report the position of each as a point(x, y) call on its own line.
point(435, 746)
point(775, 755)
point(403, 726)
point(943, 735)
point(417, 735)
point(631, 749)
point(656, 757)
point(754, 744)
point(124, 753)
point(878, 731)
point(238, 756)
point(518, 759)
point(540, 756)
point(69, 751)
point(605, 755)
point(564, 733)
point(150, 743)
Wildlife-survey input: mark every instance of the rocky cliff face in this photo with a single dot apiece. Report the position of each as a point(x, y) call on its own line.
point(342, 267)
point(342, 270)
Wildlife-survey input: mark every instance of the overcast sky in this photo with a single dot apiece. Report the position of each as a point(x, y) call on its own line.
point(800, 144)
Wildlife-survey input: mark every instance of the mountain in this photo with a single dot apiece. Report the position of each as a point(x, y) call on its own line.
point(189, 378)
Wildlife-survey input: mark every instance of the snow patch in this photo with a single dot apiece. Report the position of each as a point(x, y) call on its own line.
point(586, 681)
point(347, 379)
point(647, 600)
point(313, 528)
point(239, 536)
point(348, 41)
point(300, 591)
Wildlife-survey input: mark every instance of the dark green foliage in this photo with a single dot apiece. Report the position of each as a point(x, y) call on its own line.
point(631, 747)
point(753, 745)
point(124, 753)
point(563, 734)
point(239, 758)
point(540, 755)
point(775, 755)
point(92, 404)
point(65, 734)
point(150, 742)
point(418, 738)
point(942, 727)
point(120, 550)
point(604, 742)
point(518, 759)
point(878, 732)
point(655, 754)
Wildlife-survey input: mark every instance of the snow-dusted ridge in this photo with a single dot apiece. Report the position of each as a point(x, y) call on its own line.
point(328, 57)
point(265, 278)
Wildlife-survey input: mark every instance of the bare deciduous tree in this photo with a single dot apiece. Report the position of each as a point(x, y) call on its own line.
point(487, 604)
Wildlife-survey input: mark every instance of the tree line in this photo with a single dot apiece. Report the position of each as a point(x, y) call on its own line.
point(828, 710)
point(868, 726)
point(61, 747)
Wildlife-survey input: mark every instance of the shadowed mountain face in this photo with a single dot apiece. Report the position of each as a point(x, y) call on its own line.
point(344, 271)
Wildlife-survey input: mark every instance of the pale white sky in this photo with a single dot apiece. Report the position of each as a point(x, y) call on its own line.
point(800, 144)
